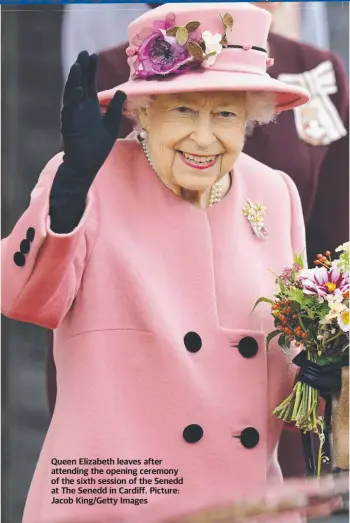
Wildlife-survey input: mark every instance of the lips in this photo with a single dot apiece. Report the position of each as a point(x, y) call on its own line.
point(198, 161)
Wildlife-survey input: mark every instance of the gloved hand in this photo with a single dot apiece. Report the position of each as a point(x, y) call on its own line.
point(88, 135)
point(325, 378)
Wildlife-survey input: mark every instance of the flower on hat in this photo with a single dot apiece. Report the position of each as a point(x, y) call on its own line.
point(163, 48)
point(167, 48)
point(130, 51)
point(131, 63)
point(213, 47)
point(156, 52)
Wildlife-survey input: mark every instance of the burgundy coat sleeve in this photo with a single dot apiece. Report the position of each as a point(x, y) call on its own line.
point(328, 225)
point(113, 70)
point(320, 172)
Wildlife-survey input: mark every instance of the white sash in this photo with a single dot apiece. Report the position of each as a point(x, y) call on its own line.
point(318, 122)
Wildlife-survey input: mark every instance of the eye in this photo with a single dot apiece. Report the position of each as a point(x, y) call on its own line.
point(184, 110)
point(226, 114)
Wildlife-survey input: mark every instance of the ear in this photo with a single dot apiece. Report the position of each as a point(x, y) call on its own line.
point(144, 118)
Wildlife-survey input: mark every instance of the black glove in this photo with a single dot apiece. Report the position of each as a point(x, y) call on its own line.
point(325, 378)
point(88, 137)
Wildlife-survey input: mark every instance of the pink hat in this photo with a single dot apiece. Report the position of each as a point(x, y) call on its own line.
point(212, 46)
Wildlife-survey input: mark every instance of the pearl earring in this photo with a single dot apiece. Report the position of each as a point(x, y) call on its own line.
point(142, 135)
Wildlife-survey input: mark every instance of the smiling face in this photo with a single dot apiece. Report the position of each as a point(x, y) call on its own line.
point(194, 138)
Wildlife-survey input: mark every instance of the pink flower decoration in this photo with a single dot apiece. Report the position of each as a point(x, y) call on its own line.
point(130, 51)
point(131, 62)
point(247, 47)
point(157, 53)
point(270, 62)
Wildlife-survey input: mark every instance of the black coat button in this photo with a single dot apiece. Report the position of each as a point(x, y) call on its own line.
point(19, 259)
point(30, 234)
point(248, 347)
point(249, 437)
point(193, 433)
point(24, 247)
point(193, 342)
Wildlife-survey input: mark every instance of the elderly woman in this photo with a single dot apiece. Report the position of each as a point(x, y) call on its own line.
point(146, 256)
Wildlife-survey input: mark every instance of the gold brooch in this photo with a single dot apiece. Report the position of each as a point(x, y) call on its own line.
point(255, 215)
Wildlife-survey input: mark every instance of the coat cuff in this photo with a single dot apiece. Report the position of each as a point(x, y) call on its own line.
point(35, 260)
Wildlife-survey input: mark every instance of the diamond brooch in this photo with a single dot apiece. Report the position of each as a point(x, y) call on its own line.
point(255, 215)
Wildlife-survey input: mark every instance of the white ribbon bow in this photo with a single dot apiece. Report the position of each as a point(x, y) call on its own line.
point(317, 122)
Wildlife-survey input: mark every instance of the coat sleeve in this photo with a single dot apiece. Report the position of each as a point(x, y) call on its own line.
point(328, 226)
point(42, 270)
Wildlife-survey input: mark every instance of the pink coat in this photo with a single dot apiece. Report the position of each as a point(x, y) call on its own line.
point(157, 352)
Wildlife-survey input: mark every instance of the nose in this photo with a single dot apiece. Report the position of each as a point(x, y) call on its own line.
point(202, 133)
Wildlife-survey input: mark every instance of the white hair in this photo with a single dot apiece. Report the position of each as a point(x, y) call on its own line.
point(260, 107)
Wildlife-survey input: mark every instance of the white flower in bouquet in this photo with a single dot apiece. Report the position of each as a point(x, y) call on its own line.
point(335, 309)
point(344, 258)
point(336, 297)
point(343, 320)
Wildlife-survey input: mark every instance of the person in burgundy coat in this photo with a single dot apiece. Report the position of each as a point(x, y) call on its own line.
point(311, 144)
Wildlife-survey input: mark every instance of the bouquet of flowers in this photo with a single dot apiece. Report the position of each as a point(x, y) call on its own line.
point(311, 310)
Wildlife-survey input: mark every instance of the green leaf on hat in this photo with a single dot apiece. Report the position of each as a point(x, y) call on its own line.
point(172, 31)
point(181, 35)
point(228, 20)
point(195, 50)
point(192, 26)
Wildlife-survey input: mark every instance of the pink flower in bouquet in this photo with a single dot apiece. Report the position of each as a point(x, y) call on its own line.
point(322, 282)
point(158, 53)
point(288, 275)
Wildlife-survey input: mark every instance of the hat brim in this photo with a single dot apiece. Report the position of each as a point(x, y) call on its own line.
point(287, 96)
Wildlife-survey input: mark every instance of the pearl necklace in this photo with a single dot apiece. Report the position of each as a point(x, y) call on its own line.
point(216, 189)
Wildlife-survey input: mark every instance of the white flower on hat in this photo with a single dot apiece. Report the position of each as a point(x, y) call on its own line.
point(212, 44)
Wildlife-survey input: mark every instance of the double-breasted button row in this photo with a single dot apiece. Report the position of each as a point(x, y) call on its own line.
point(249, 437)
point(24, 247)
point(248, 348)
